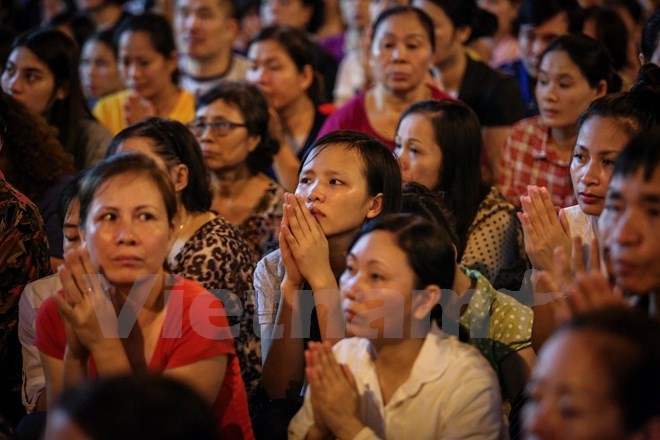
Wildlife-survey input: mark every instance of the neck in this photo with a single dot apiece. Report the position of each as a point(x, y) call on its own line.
point(106, 16)
point(397, 354)
point(564, 137)
point(165, 101)
point(297, 117)
point(452, 71)
point(462, 282)
point(209, 67)
point(145, 293)
point(233, 181)
point(398, 102)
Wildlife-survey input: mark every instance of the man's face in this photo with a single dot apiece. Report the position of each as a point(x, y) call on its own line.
point(534, 40)
point(203, 28)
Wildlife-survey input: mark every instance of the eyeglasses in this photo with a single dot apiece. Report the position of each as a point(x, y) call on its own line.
point(218, 128)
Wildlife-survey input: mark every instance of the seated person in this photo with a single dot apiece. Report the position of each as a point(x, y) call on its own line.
point(167, 325)
point(399, 376)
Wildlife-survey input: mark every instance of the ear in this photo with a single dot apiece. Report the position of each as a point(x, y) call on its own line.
point(252, 142)
point(641, 58)
point(61, 93)
point(172, 62)
point(601, 88)
point(462, 34)
point(180, 176)
point(424, 301)
point(307, 77)
point(376, 206)
point(233, 28)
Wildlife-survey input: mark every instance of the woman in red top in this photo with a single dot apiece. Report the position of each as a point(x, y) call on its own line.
point(121, 313)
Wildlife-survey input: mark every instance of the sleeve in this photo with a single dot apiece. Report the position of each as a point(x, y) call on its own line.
point(34, 378)
point(506, 169)
point(504, 103)
point(510, 326)
point(109, 111)
point(490, 240)
point(50, 338)
point(267, 283)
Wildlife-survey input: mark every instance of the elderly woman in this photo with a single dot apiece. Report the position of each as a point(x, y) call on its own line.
point(232, 129)
point(120, 312)
point(205, 248)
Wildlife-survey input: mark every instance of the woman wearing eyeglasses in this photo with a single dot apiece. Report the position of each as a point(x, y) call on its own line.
point(231, 126)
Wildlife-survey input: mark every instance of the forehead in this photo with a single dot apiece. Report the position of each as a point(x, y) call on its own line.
point(215, 5)
point(335, 158)
point(221, 109)
point(266, 49)
point(128, 190)
point(96, 47)
point(136, 41)
point(598, 133)
point(24, 58)
point(380, 243)
point(556, 25)
point(402, 25)
point(634, 186)
point(558, 60)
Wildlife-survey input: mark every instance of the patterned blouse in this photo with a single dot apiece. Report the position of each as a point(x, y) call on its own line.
point(24, 257)
point(261, 229)
point(219, 260)
point(495, 244)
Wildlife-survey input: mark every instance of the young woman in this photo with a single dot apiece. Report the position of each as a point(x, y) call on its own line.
point(99, 68)
point(604, 129)
point(205, 247)
point(401, 49)
point(345, 178)
point(283, 66)
point(42, 74)
point(127, 211)
point(494, 97)
point(34, 162)
point(574, 70)
point(148, 64)
point(231, 126)
point(395, 378)
point(597, 379)
point(438, 144)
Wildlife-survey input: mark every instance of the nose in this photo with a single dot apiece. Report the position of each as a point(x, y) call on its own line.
point(590, 176)
point(315, 192)
point(126, 233)
point(11, 84)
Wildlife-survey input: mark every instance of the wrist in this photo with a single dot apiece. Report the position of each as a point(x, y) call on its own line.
point(349, 429)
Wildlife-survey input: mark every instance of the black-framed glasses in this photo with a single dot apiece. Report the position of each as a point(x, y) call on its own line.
point(218, 128)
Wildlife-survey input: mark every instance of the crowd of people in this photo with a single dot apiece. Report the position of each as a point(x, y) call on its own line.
point(314, 219)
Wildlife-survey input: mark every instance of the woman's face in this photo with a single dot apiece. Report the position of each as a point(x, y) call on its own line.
point(29, 81)
point(292, 13)
point(143, 68)
point(99, 71)
point(598, 144)
point(570, 393)
point(275, 73)
point(448, 40)
point(334, 187)
point(127, 232)
point(376, 288)
point(562, 91)
point(401, 53)
point(419, 155)
point(355, 13)
point(229, 151)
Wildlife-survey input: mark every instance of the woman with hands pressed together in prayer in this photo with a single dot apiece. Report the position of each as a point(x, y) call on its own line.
point(148, 64)
point(120, 312)
point(400, 376)
point(345, 179)
point(603, 130)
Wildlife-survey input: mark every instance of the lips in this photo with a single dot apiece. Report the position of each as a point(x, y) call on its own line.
point(316, 213)
point(127, 259)
point(590, 199)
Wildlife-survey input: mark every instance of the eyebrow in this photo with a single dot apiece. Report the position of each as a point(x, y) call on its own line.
point(602, 153)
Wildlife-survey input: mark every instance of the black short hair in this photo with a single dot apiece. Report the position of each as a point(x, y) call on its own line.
point(138, 407)
point(627, 343)
point(537, 12)
point(427, 246)
point(68, 195)
point(641, 153)
point(175, 144)
point(253, 107)
point(650, 36)
point(466, 13)
point(379, 164)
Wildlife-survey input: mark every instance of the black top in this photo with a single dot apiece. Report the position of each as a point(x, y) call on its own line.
point(494, 96)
